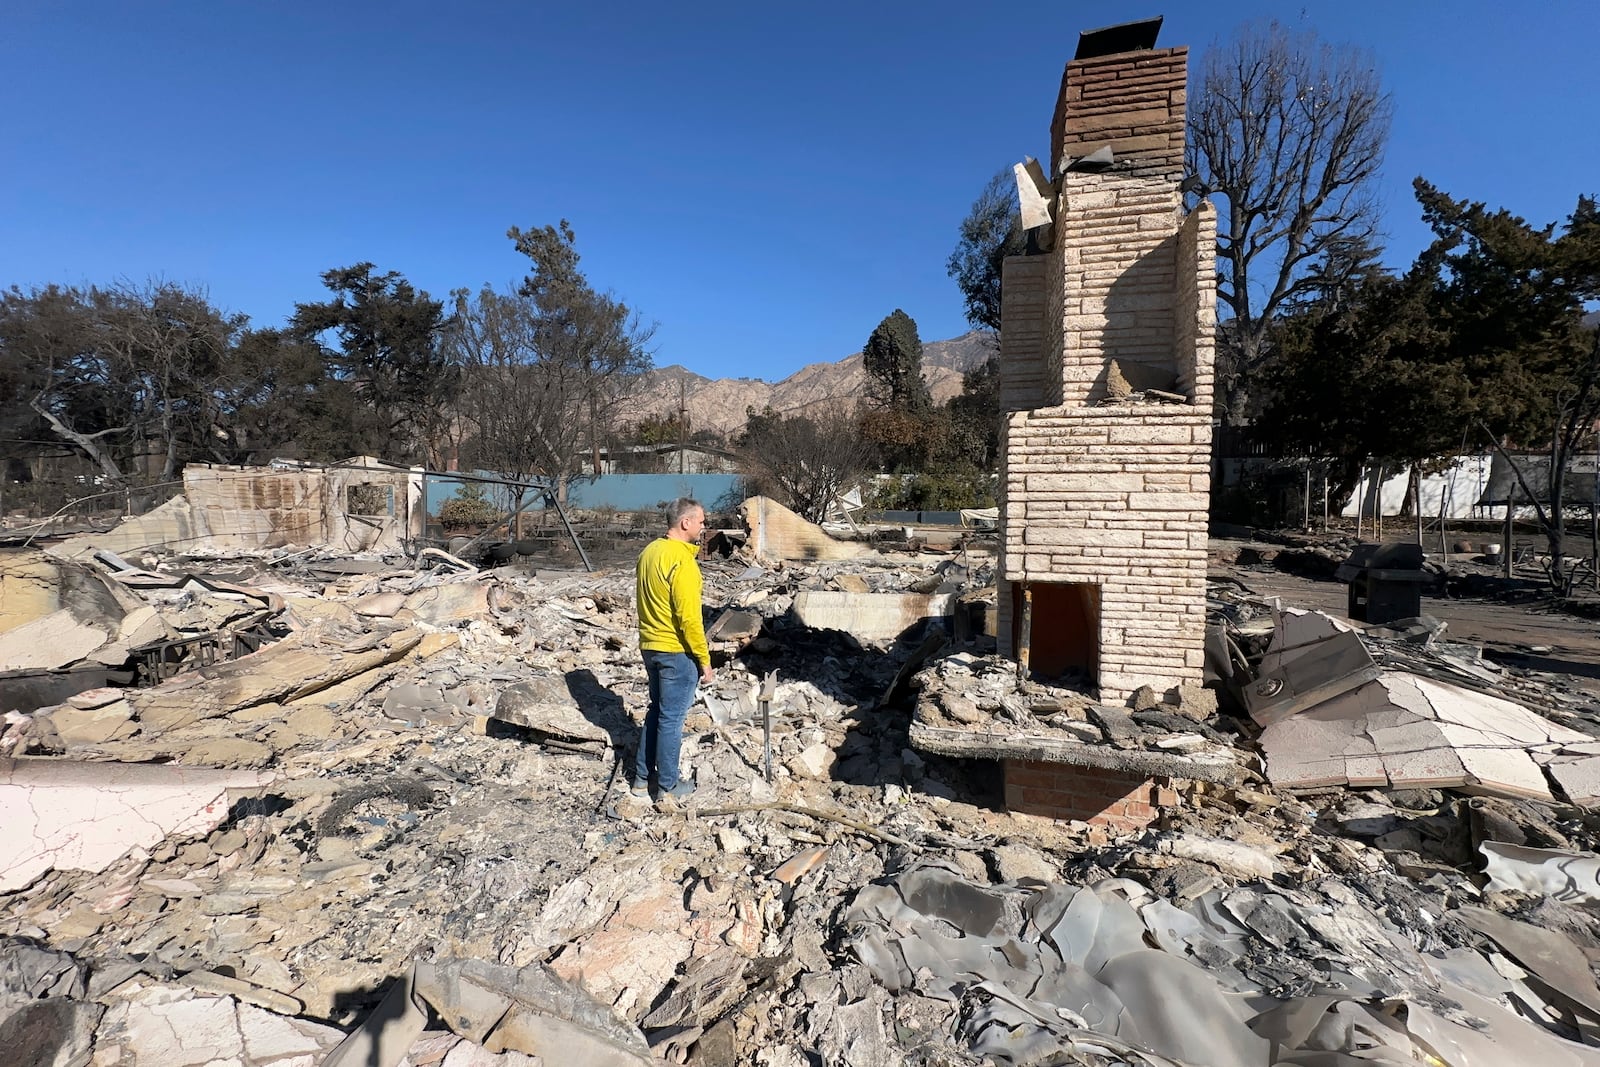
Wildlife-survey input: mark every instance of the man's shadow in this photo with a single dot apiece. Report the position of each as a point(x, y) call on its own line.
point(602, 708)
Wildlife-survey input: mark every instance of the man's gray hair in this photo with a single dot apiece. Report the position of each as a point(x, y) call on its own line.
point(679, 508)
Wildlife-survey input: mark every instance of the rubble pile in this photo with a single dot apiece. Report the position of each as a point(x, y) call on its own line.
point(399, 832)
point(973, 703)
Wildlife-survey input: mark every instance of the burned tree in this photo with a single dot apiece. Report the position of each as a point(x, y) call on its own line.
point(118, 373)
point(801, 461)
point(590, 347)
point(545, 367)
point(387, 354)
point(521, 412)
point(1509, 297)
point(1290, 131)
point(991, 231)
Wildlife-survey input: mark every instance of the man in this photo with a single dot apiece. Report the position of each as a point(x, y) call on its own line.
point(672, 640)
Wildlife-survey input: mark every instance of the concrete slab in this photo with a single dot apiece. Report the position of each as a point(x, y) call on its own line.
point(449, 602)
point(1404, 730)
point(1579, 779)
point(52, 641)
point(96, 725)
point(173, 523)
point(1515, 723)
point(873, 616)
point(294, 667)
point(141, 626)
point(172, 1026)
point(85, 816)
point(1502, 771)
point(734, 626)
point(30, 588)
point(1424, 769)
point(380, 605)
point(547, 704)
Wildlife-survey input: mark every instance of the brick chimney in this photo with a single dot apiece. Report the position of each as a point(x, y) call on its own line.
point(1107, 344)
point(1132, 102)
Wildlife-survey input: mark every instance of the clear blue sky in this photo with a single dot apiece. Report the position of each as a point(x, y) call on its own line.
point(766, 181)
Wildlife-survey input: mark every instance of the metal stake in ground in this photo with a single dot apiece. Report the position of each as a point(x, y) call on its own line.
point(769, 686)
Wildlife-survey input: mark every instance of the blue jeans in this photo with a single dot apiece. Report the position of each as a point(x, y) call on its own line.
point(673, 678)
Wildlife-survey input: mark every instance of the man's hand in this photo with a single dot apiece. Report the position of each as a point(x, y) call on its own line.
point(705, 674)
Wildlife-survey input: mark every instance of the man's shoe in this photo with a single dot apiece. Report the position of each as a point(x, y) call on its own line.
point(683, 789)
point(639, 790)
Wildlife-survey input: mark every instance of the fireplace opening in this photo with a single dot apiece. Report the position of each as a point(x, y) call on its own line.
point(1058, 631)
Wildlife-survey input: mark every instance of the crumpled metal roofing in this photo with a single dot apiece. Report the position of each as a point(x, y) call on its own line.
point(1112, 971)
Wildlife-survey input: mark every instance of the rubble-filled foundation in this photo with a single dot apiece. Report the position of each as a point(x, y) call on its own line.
point(1115, 799)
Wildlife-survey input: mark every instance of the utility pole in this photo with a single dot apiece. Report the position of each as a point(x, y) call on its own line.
point(683, 423)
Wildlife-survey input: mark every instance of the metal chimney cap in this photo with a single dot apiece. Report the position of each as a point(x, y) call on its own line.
point(1113, 40)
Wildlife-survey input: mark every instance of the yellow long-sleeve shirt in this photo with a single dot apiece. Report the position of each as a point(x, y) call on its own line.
point(667, 593)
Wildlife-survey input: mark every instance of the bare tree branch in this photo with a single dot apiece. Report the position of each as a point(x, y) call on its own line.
point(86, 442)
point(1290, 131)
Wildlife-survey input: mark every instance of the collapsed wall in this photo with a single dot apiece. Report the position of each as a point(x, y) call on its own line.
point(362, 505)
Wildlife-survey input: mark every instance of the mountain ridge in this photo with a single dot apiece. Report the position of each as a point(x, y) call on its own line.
point(719, 404)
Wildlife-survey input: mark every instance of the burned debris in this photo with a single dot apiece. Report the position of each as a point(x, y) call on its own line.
point(422, 853)
point(1051, 797)
point(395, 835)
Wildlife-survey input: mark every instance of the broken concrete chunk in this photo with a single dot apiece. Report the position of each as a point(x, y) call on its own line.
point(852, 583)
point(449, 603)
point(1579, 779)
point(142, 626)
point(1116, 722)
point(1144, 698)
point(734, 626)
point(1194, 701)
point(85, 816)
point(1182, 743)
point(54, 641)
point(1086, 732)
point(814, 761)
point(1231, 857)
point(380, 605)
point(871, 616)
point(775, 532)
point(548, 705)
point(1021, 864)
point(94, 726)
point(410, 702)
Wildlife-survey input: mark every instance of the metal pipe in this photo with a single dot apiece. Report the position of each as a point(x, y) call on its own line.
point(1377, 505)
point(769, 687)
point(550, 498)
point(1307, 497)
point(1361, 500)
point(1025, 636)
point(1511, 527)
point(1416, 498)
